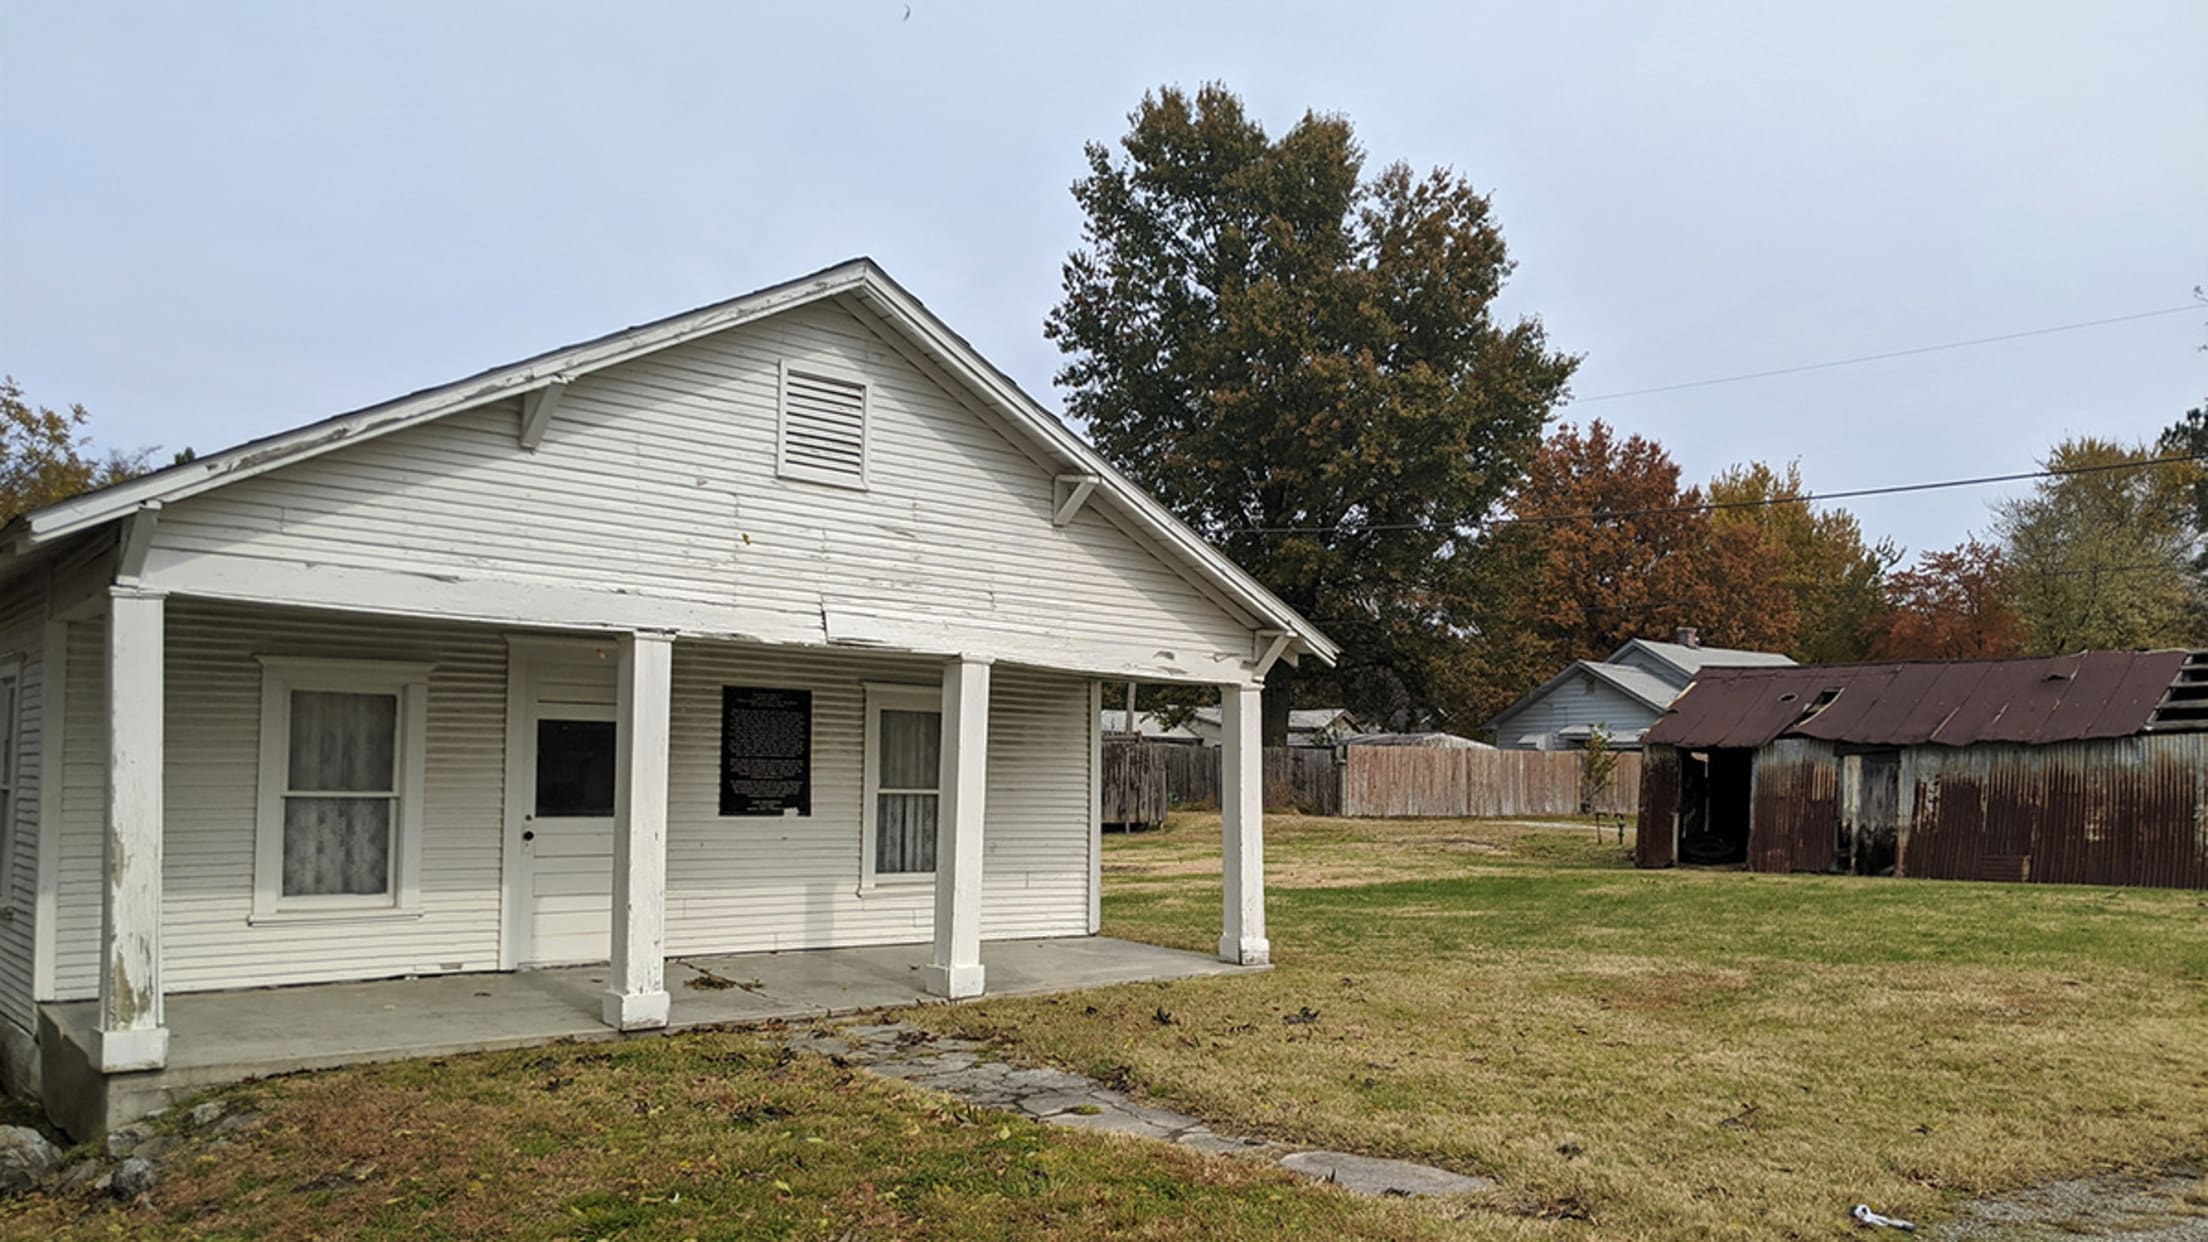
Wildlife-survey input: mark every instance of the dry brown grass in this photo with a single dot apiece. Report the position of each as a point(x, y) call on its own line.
point(1677, 1054)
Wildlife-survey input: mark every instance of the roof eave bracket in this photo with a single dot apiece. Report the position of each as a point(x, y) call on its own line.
point(1076, 488)
point(136, 542)
point(537, 408)
point(1270, 646)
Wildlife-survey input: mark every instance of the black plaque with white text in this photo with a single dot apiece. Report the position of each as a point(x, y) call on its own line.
point(766, 751)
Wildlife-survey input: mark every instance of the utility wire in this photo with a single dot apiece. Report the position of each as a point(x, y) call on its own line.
point(1897, 353)
point(1714, 505)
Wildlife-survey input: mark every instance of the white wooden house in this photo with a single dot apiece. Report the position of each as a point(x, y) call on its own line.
point(503, 674)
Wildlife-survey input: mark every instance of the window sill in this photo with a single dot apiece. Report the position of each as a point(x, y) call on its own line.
point(906, 882)
point(293, 918)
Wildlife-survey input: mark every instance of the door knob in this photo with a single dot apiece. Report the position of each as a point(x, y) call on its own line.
point(529, 836)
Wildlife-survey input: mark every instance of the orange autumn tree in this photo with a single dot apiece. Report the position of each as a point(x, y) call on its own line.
point(1953, 605)
point(1626, 553)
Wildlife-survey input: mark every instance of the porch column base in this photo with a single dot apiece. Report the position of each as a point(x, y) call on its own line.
point(139, 1048)
point(636, 1011)
point(954, 982)
point(1258, 952)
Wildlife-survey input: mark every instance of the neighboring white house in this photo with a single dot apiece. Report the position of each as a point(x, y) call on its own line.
point(778, 624)
point(1152, 727)
point(1307, 726)
point(1621, 695)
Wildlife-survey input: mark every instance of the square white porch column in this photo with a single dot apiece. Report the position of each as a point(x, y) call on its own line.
point(131, 1035)
point(956, 970)
point(636, 986)
point(1242, 825)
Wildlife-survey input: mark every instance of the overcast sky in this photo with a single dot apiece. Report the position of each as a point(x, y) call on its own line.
point(221, 219)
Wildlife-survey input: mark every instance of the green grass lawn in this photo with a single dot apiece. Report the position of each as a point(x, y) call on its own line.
point(1675, 1053)
point(1630, 1054)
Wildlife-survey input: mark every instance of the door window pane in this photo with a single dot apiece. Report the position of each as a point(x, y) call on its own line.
point(575, 760)
point(904, 833)
point(911, 749)
point(343, 742)
point(337, 846)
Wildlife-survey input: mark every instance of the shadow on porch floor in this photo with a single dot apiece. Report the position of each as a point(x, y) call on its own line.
point(223, 1037)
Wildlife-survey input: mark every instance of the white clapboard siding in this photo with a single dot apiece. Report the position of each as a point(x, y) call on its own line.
point(734, 884)
point(749, 883)
point(657, 480)
point(22, 617)
point(209, 815)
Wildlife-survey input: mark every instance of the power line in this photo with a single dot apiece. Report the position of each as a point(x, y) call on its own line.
point(1898, 353)
point(1715, 505)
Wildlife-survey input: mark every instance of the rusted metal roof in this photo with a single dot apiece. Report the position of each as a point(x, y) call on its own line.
point(2096, 694)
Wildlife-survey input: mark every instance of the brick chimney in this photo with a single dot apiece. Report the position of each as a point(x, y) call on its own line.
point(1686, 637)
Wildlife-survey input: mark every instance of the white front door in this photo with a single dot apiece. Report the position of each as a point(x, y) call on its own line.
point(566, 880)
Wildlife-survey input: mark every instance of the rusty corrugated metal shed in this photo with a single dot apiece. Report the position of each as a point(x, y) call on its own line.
point(2096, 694)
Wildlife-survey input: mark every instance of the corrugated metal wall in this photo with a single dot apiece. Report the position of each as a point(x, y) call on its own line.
point(1794, 820)
point(2126, 811)
point(1656, 842)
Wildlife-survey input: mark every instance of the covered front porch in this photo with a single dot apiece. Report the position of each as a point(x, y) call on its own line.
point(217, 1038)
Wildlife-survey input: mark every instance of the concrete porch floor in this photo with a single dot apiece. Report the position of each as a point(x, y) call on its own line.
point(216, 1038)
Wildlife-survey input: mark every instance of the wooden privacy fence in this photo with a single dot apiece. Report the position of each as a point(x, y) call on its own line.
point(1409, 781)
point(1144, 780)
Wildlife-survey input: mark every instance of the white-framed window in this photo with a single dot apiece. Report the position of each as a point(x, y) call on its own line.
point(904, 773)
point(821, 425)
point(343, 747)
point(11, 765)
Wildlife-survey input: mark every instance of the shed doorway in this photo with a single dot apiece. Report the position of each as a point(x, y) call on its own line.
point(1716, 788)
point(1871, 809)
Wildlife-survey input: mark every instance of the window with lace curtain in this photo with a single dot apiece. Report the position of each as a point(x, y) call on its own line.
point(341, 766)
point(904, 753)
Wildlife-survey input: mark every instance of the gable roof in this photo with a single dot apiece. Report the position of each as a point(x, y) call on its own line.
point(2094, 694)
point(1640, 685)
point(1692, 660)
point(858, 285)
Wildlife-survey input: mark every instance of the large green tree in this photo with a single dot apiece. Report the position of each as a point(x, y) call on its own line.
point(2188, 437)
point(1304, 363)
point(2101, 553)
point(1837, 580)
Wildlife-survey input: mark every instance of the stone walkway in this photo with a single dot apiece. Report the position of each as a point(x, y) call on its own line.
point(957, 1067)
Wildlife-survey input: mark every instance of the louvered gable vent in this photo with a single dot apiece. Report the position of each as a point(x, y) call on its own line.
point(823, 433)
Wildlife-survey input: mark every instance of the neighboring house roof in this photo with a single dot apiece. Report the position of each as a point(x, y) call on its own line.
point(1642, 686)
point(1300, 719)
point(1692, 660)
point(857, 285)
point(1426, 741)
point(2095, 694)
point(1152, 726)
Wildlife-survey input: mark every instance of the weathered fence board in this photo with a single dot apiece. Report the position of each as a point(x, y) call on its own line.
point(1412, 782)
point(1143, 780)
point(1133, 779)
